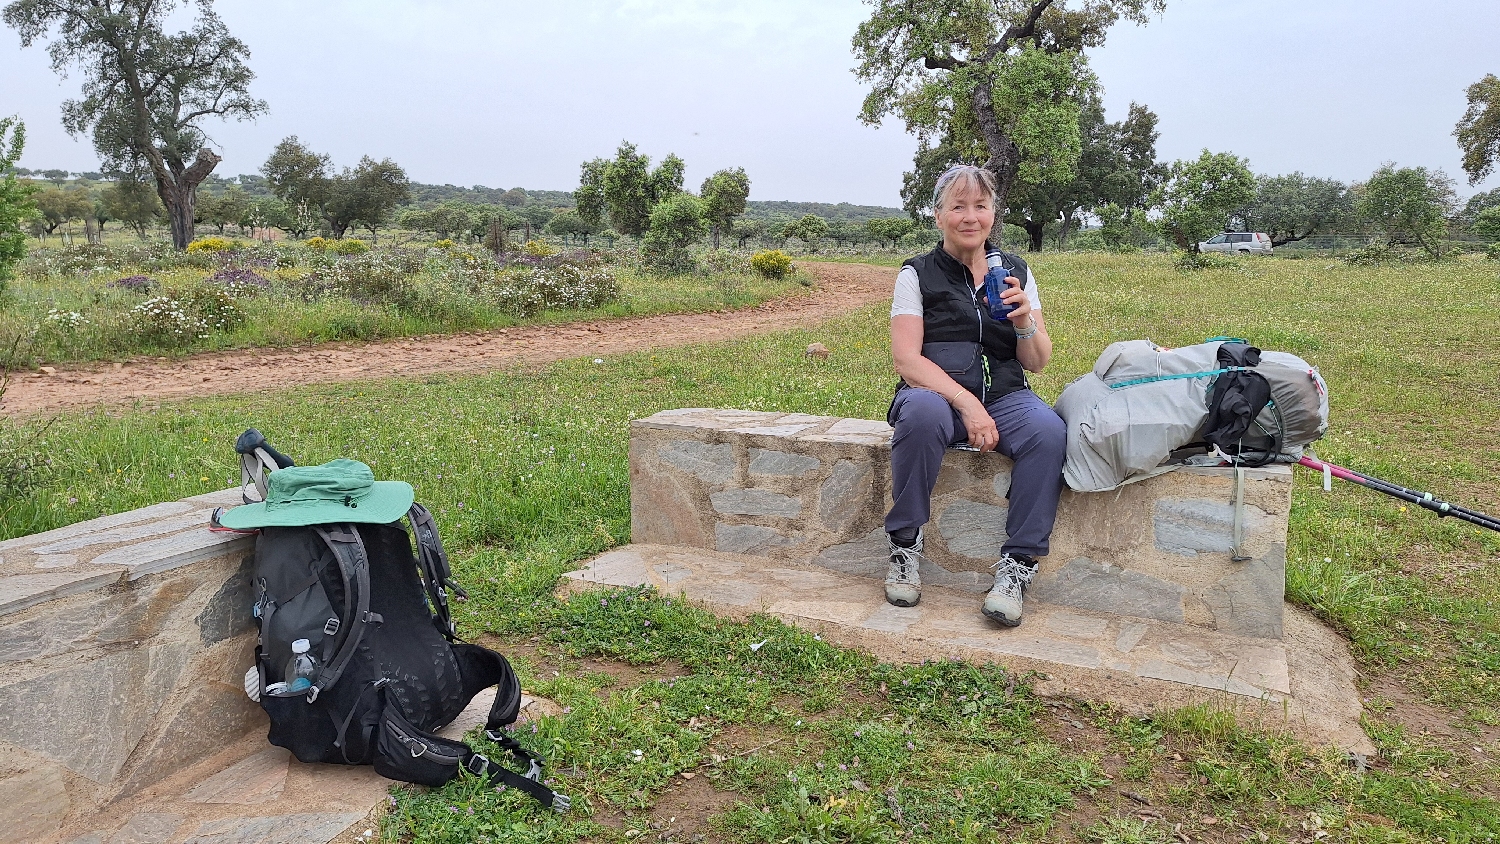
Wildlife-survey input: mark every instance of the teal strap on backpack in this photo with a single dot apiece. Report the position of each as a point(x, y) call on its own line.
point(1212, 373)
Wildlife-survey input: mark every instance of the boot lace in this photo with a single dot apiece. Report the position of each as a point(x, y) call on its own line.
point(905, 563)
point(1011, 575)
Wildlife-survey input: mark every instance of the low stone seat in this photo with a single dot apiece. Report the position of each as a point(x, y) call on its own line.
point(814, 488)
point(1139, 603)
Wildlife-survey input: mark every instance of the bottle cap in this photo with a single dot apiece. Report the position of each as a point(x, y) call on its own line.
point(300, 646)
point(993, 260)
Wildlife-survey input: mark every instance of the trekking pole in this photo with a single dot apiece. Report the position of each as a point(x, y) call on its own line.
point(1424, 499)
point(1421, 499)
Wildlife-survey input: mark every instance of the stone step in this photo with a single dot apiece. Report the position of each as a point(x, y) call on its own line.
point(253, 792)
point(1307, 681)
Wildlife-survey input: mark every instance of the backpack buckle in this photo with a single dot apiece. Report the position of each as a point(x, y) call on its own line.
point(416, 748)
point(477, 764)
point(331, 627)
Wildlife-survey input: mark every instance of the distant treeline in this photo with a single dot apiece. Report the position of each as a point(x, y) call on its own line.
point(422, 195)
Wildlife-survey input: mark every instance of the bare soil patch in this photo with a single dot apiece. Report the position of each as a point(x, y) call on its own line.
point(838, 289)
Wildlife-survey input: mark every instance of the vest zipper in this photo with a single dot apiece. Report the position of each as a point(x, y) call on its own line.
point(984, 388)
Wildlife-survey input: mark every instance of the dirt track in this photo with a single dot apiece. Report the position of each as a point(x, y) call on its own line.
point(839, 288)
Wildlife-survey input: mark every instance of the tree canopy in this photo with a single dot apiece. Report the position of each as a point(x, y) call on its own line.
point(145, 93)
point(1116, 165)
point(991, 83)
point(1407, 205)
point(1487, 223)
point(724, 194)
point(626, 189)
point(365, 195)
point(15, 197)
point(60, 206)
point(1478, 132)
point(133, 203)
point(889, 229)
point(1294, 207)
point(676, 223)
point(1199, 196)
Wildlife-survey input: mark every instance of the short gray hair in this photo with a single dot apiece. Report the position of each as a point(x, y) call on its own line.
point(962, 176)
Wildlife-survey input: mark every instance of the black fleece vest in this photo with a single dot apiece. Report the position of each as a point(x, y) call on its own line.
point(952, 310)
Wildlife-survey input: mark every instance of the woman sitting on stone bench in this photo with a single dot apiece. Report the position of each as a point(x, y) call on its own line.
point(941, 324)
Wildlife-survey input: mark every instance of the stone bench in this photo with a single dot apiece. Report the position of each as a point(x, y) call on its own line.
point(1139, 604)
point(123, 644)
point(123, 718)
point(816, 488)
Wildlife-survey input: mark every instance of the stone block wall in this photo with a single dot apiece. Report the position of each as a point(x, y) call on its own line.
point(123, 645)
point(800, 487)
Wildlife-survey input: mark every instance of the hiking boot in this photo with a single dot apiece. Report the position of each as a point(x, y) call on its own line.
point(1012, 573)
point(903, 581)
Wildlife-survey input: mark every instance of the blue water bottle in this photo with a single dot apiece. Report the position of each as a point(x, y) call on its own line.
point(994, 285)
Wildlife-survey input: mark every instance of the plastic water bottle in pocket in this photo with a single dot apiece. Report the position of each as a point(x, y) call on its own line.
point(301, 669)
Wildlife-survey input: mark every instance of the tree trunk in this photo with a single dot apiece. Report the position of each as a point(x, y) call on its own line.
point(716, 238)
point(1005, 156)
point(1034, 231)
point(179, 193)
point(92, 231)
point(1068, 220)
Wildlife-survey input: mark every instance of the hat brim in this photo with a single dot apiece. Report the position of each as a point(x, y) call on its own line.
point(386, 502)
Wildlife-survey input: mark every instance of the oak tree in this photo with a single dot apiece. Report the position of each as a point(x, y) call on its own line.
point(1408, 205)
point(724, 194)
point(16, 205)
point(1478, 132)
point(1294, 207)
point(1116, 165)
point(145, 93)
point(133, 203)
point(889, 229)
point(1199, 197)
point(625, 189)
point(677, 222)
point(997, 81)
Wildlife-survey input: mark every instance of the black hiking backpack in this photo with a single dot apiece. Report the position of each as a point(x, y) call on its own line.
point(391, 670)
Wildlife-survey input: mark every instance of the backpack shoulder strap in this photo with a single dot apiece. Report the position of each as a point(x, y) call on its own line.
point(354, 565)
point(437, 576)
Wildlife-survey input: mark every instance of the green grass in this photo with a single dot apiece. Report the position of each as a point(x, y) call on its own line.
point(527, 474)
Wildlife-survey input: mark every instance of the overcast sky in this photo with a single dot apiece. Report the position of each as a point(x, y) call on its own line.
point(504, 94)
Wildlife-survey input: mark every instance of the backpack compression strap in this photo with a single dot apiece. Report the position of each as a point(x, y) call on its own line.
point(437, 577)
point(531, 782)
point(354, 564)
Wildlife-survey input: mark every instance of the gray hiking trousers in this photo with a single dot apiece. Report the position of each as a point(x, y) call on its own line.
point(1031, 434)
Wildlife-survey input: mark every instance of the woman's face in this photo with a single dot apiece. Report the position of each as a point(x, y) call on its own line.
point(967, 215)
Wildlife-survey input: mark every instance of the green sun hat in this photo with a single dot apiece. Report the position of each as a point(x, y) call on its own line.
point(338, 491)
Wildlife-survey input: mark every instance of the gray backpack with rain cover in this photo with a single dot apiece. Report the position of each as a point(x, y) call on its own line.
point(1143, 403)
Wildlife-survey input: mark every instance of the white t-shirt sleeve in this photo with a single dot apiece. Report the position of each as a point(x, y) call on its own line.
point(907, 298)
